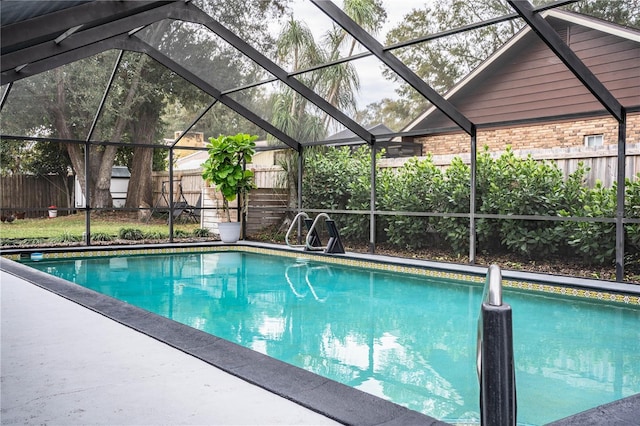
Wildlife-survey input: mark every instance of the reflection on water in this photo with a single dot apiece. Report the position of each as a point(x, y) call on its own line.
point(407, 339)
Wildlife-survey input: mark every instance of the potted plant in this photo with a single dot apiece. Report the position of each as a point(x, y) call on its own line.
point(225, 169)
point(53, 211)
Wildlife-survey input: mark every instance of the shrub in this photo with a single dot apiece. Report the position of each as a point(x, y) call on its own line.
point(179, 233)
point(101, 236)
point(327, 174)
point(201, 232)
point(455, 198)
point(416, 187)
point(523, 186)
point(339, 179)
point(357, 227)
point(130, 234)
point(594, 241)
point(155, 235)
point(632, 210)
point(67, 237)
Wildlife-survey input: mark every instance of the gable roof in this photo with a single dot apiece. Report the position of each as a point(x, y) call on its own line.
point(347, 135)
point(496, 83)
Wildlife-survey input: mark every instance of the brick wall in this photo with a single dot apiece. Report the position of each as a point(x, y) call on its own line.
point(560, 134)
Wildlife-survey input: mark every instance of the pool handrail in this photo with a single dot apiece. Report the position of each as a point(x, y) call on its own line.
point(493, 286)
point(494, 357)
point(308, 241)
point(293, 224)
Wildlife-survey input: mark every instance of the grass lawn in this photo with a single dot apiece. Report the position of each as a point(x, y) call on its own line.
point(72, 226)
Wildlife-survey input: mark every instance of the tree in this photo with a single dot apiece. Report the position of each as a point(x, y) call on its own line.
point(62, 103)
point(343, 81)
point(11, 153)
point(48, 158)
point(623, 12)
point(297, 49)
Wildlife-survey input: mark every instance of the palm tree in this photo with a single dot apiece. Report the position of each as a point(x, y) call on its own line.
point(343, 79)
point(296, 48)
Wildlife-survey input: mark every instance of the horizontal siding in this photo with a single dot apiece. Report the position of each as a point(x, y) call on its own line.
point(531, 82)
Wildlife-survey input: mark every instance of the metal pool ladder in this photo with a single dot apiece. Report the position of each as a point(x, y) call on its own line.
point(312, 242)
point(496, 372)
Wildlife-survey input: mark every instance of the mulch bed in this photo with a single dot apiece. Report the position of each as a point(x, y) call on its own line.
point(554, 265)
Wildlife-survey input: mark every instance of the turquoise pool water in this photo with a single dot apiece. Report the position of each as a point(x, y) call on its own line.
point(409, 339)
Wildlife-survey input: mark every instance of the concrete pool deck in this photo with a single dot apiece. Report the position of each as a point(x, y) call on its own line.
point(64, 364)
point(73, 356)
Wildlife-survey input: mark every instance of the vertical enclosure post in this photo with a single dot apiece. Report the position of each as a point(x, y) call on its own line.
point(87, 195)
point(472, 197)
point(242, 212)
point(620, 195)
point(299, 200)
point(171, 194)
point(372, 206)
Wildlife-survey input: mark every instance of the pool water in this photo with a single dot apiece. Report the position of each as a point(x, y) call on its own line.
point(409, 339)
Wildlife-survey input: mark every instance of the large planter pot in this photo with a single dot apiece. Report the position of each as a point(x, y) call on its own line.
point(53, 213)
point(229, 231)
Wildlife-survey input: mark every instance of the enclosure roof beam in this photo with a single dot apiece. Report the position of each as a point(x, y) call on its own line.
point(370, 43)
point(39, 51)
point(194, 122)
point(61, 59)
point(135, 44)
point(50, 26)
point(126, 42)
point(193, 14)
point(551, 38)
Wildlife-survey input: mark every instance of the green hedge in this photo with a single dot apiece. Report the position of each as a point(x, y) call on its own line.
point(339, 178)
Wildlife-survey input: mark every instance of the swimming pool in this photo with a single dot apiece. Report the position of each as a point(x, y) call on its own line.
point(409, 338)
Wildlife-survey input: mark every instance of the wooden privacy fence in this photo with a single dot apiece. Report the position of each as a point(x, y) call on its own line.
point(34, 194)
point(260, 215)
point(602, 162)
point(188, 185)
point(192, 183)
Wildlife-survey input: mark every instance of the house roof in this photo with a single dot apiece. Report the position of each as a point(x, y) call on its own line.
point(479, 80)
point(347, 135)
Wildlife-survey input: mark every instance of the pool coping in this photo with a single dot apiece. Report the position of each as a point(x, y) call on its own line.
point(332, 399)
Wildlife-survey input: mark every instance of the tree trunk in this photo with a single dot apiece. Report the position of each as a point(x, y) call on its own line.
point(101, 196)
point(140, 191)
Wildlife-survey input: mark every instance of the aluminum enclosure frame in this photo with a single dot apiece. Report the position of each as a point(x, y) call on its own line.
point(86, 28)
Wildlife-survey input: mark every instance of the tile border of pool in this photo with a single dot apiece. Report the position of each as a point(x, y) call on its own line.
point(597, 290)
